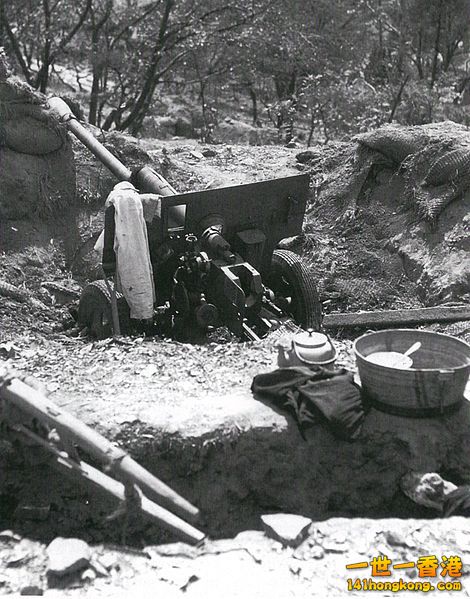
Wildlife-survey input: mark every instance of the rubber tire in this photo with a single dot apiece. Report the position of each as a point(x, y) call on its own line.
point(94, 311)
point(289, 273)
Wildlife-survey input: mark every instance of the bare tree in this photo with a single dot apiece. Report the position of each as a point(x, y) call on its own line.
point(41, 30)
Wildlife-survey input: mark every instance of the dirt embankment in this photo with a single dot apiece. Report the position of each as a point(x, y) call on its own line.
point(402, 195)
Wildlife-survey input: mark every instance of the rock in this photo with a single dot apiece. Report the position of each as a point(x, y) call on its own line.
point(88, 575)
point(149, 370)
point(289, 242)
point(426, 488)
point(19, 556)
point(108, 560)
point(306, 551)
point(8, 350)
point(32, 590)
point(288, 529)
point(99, 568)
point(394, 538)
point(339, 537)
point(196, 154)
point(291, 144)
point(67, 556)
point(9, 535)
point(316, 552)
point(172, 549)
point(331, 546)
point(209, 153)
point(305, 156)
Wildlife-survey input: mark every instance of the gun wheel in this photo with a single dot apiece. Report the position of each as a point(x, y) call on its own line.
point(294, 289)
point(94, 310)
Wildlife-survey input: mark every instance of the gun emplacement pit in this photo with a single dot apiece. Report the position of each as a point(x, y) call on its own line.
point(186, 413)
point(203, 433)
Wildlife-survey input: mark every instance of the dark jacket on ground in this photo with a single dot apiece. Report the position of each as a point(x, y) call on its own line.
point(315, 395)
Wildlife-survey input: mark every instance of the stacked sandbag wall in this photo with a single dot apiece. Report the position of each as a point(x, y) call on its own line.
point(37, 170)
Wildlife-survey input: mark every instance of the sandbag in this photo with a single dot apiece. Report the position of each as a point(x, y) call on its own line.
point(431, 201)
point(15, 111)
point(394, 143)
point(30, 136)
point(449, 167)
point(36, 186)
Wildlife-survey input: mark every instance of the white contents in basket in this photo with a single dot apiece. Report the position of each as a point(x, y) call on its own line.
point(392, 359)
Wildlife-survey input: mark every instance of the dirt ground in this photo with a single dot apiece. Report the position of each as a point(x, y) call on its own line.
point(252, 565)
point(120, 387)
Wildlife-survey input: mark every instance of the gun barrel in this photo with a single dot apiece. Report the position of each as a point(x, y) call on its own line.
point(145, 179)
point(36, 405)
point(149, 181)
point(63, 113)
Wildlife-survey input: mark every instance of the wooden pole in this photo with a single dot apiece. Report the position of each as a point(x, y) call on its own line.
point(384, 318)
point(68, 466)
point(35, 404)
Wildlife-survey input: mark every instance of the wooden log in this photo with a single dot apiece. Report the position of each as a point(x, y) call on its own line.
point(81, 471)
point(385, 318)
point(34, 404)
point(20, 295)
point(112, 487)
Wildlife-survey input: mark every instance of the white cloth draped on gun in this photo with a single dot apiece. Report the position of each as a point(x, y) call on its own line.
point(134, 274)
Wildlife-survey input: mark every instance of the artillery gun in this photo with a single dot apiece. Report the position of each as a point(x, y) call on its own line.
point(214, 255)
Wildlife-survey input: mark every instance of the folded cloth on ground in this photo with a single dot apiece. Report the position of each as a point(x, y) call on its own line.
point(315, 395)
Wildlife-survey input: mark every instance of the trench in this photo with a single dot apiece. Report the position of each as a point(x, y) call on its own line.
point(238, 473)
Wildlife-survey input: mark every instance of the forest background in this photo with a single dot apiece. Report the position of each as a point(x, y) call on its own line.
point(289, 70)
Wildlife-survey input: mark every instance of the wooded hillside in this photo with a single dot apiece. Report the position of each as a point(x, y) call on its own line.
point(309, 68)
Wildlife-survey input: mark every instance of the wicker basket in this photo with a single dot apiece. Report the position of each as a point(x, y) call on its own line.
point(434, 385)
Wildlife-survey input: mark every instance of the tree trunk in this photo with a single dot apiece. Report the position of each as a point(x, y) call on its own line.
point(381, 35)
point(397, 99)
point(202, 98)
point(419, 54)
point(14, 43)
point(285, 84)
point(110, 120)
point(254, 105)
point(95, 86)
point(98, 62)
point(325, 127)
point(136, 116)
point(437, 44)
point(43, 75)
point(312, 128)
